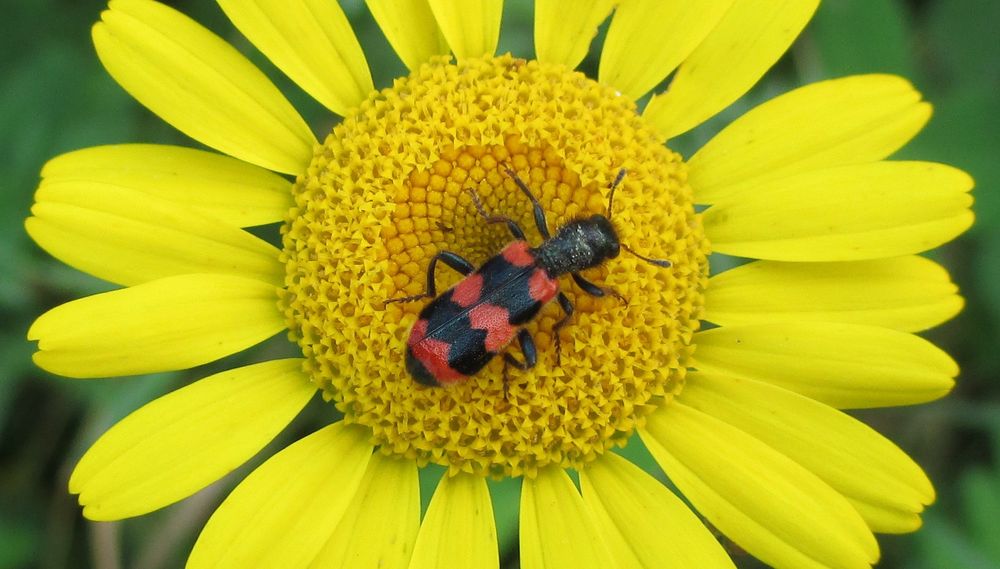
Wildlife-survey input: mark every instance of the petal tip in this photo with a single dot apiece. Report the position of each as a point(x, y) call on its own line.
point(95, 513)
point(100, 28)
point(952, 369)
point(35, 330)
point(925, 111)
point(959, 303)
point(100, 34)
point(968, 180)
point(41, 359)
point(29, 224)
point(77, 486)
point(928, 495)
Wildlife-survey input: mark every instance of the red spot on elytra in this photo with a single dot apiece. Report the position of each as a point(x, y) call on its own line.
point(466, 293)
point(518, 254)
point(433, 354)
point(541, 287)
point(495, 320)
point(417, 333)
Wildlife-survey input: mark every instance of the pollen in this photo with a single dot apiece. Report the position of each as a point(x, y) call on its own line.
point(389, 188)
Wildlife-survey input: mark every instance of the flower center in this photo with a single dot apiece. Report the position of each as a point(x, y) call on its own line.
point(389, 189)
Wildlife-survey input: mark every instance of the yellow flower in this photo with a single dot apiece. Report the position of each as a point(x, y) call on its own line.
point(742, 415)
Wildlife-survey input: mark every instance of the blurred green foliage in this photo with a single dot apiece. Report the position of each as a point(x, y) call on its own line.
point(56, 97)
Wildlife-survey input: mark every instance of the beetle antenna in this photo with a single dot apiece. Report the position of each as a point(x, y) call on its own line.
point(658, 262)
point(613, 187)
point(611, 200)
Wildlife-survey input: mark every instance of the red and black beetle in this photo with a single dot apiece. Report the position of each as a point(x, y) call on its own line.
point(461, 330)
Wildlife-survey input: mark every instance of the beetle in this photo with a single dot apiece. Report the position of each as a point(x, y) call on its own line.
point(465, 327)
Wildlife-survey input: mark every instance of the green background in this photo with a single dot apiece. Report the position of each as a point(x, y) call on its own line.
point(55, 97)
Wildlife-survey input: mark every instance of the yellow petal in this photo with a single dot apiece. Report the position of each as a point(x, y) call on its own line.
point(472, 27)
point(646, 525)
point(312, 42)
point(847, 213)
point(647, 39)
point(848, 455)
point(557, 530)
point(853, 120)
point(770, 506)
point(888, 520)
point(185, 440)
point(565, 28)
point(903, 293)
point(843, 365)
point(285, 511)
point(458, 529)
point(167, 324)
point(234, 192)
point(411, 29)
point(201, 85)
point(380, 525)
point(130, 237)
point(751, 37)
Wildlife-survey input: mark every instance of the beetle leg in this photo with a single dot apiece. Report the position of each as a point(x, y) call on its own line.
point(512, 225)
point(543, 226)
point(530, 359)
point(453, 260)
point(594, 290)
point(567, 308)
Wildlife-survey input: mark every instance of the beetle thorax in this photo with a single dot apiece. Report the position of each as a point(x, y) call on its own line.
point(578, 245)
